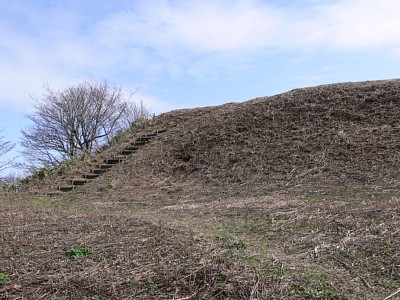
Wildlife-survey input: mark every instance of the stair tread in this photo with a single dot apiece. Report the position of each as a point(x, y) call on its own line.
point(79, 181)
point(108, 163)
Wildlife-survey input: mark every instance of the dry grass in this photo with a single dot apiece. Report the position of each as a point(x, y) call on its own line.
point(289, 197)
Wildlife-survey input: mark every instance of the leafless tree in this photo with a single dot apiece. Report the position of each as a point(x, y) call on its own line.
point(5, 147)
point(70, 123)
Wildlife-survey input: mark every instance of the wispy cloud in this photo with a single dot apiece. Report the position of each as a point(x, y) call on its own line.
point(49, 41)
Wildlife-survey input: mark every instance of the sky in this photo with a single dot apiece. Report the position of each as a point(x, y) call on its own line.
point(184, 54)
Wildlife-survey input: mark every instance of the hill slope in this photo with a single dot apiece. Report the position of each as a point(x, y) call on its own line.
point(294, 196)
point(314, 139)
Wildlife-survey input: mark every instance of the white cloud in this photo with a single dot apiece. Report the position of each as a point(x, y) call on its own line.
point(360, 23)
point(228, 27)
point(253, 26)
point(151, 39)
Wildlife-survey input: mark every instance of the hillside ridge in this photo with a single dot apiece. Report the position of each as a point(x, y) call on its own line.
point(314, 140)
point(325, 136)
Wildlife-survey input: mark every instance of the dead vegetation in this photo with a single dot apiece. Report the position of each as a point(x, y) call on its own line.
point(294, 196)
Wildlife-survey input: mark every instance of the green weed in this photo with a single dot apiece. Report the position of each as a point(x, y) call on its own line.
point(78, 252)
point(221, 286)
point(174, 191)
point(4, 278)
point(150, 283)
point(228, 243)
point(317, 294)
point(237, 159)
point(106, 187)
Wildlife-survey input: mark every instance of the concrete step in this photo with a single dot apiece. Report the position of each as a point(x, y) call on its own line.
point(104, 166)
point(145, 138)
point(79, 181)
point(99, 171)
point(132, 147)
point(127, 152)
point(152, 134)
point(120, 157)
point(112, 161)
point(91, 175)
point(139, 143)
point(65, 188)
point(54, 193)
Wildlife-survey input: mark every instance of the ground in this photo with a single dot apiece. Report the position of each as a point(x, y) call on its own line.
point(288, 197)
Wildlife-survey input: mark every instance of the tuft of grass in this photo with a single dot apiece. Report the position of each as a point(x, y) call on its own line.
point(229, 243)
point(4, 278)
point(150, 283)
point(78, 252)
point(106, 187)
point(174, 191)
point(237, 159)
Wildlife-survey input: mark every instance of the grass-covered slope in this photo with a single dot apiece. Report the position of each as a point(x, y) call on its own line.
point(294, 196)
point(313, 139)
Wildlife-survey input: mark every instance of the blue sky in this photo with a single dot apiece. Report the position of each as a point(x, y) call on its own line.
point(191, 53)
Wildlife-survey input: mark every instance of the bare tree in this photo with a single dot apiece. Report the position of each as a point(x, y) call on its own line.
point(72, 122)
point(5, 147)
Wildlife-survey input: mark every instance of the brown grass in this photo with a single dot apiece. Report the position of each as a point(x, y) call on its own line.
point(294, 196)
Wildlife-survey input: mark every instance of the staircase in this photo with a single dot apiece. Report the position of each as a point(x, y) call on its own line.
point(107, 164)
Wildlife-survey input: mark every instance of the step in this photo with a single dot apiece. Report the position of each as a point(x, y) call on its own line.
point(53, 193)
point(65, 188)
point(79, 181)
point(139, 143)
point(120, 157)
point(132, 148)
point(127, 152)
point(91, 175)
point(112, 161)
point(104, 166)
point(145, 138)
point(152, 134)
point(99, 171)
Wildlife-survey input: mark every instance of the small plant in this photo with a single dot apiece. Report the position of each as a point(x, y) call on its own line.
point(221, 286)
point(325, 294)
point(239, 179)
point(237, 159)
point(150, 283)
point(174, 191)
point(106, 187)
point(78, 252)
point(342, 153)
point(316, 293)
point(326, 169)
point(4, 278)
point(228, 243)
point(212, 181)
point(96, 297)
point(129, 282)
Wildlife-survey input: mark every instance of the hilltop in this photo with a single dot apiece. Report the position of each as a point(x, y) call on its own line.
point(293, 196)
point(310, 140)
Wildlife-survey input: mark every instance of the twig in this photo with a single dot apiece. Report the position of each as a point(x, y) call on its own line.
point(352, 270)
point(391, 295)
point(188, 297)
point(253, 290)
